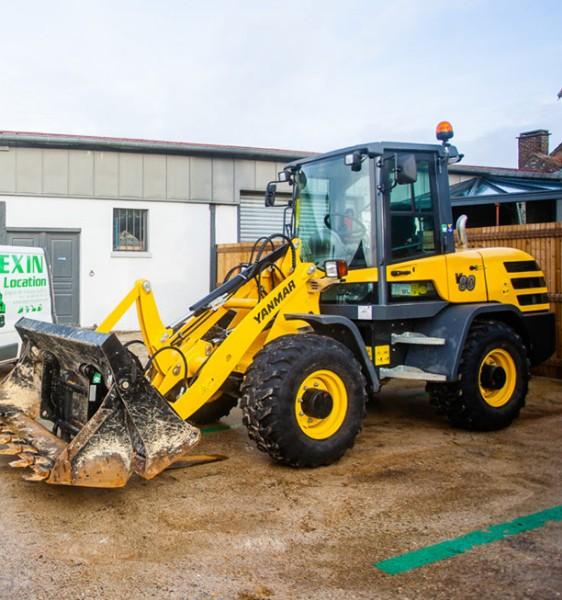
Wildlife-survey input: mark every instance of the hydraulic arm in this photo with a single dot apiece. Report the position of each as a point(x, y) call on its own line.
point(110, 415)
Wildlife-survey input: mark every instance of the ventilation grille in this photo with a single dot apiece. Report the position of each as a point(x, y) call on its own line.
point(525, 283)
point(521, 266)
point(529, 299)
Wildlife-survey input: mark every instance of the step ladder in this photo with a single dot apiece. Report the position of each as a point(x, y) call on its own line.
point(406, 371)
point(413, 337)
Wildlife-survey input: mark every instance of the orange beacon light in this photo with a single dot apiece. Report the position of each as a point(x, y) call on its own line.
point(444, 131)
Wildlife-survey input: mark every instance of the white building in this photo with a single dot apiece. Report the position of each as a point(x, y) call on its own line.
point(109, 211)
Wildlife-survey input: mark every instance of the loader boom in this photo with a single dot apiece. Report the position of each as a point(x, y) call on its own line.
point(210, 364)
point(143, 415)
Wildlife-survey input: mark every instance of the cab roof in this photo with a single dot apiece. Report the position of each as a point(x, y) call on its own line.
point(372, 149)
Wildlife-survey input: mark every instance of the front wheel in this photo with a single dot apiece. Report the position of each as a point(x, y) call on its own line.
point(304, 400)
point(492, 381)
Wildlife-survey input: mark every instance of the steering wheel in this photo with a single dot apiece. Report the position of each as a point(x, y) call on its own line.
point(362, 229)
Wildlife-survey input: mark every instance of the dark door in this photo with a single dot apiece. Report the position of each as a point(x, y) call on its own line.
point(63, 255)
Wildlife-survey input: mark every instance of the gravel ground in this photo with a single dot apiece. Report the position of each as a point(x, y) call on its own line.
point(248, 529)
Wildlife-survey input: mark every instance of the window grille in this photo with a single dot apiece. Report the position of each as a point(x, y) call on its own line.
point(130, 230)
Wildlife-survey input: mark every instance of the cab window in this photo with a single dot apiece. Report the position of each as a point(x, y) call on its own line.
point(333, 212)
point(412, 213)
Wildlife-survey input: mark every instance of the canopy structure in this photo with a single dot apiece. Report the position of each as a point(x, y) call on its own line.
point(500, 198)
point(496, 189)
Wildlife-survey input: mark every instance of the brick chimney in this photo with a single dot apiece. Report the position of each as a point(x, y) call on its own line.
point(532, 142)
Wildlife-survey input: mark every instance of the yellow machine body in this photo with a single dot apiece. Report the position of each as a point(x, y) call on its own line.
point(259, 322)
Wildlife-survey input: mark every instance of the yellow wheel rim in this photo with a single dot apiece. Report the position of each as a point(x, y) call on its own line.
point(497, 377)
point(321, 404)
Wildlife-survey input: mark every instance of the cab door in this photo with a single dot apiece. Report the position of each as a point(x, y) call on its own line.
point(416, 267)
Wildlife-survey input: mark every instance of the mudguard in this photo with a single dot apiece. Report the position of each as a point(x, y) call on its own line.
point(453, 324)
point(344, 330)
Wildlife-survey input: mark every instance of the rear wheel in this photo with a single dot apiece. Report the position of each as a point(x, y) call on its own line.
point(304, 400)
point(493, 380)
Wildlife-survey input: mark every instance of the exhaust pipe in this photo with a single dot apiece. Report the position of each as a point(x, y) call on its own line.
point(461, 231)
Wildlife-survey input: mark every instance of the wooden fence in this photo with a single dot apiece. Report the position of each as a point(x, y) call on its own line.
point(542, 240)
point(230, 255)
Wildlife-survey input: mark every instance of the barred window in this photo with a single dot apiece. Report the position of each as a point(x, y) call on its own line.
point(130, 230)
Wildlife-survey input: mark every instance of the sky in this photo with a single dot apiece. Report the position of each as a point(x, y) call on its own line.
point(308, 75)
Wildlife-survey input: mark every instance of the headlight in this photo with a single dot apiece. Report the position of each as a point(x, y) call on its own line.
point(335, 268)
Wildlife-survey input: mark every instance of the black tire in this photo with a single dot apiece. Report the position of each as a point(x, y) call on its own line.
point(463, 402)
point(219, 408)
point(269, 397)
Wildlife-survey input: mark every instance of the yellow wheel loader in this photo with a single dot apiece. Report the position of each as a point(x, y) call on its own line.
point(365, 285)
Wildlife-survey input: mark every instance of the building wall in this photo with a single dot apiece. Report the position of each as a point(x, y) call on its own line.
point(131, 176)
point(455, 178)
point(226, 225)
point(177, 261)
point(65, 188)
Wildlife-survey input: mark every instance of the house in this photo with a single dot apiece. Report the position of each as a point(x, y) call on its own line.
point(109, 211)
point(531, 193)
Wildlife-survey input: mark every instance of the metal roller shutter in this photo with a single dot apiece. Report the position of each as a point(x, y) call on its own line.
point(257, 220)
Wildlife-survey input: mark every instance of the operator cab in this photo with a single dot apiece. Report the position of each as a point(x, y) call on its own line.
point(373, 204)
point(333, 212)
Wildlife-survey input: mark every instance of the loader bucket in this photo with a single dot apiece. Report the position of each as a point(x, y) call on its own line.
point(100, 420)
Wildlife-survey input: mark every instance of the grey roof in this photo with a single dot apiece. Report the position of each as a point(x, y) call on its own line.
point(460, 169)
point(88, 142)
point(493, 189)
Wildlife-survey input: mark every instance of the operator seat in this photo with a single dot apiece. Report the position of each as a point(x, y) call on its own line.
point(403, 235)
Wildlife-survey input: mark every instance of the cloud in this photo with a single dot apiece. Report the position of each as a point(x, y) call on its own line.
point(311, 75)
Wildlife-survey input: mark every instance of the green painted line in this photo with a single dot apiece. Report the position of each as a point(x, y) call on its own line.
point(449, 548)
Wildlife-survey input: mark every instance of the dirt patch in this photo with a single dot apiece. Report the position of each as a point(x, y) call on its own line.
point(247, 529)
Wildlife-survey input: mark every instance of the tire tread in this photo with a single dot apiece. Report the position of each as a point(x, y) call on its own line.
point(263, 388)
point(457, 400)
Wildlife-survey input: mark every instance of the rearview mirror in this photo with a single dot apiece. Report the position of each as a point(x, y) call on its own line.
point(406, 169)
point(270, 194)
